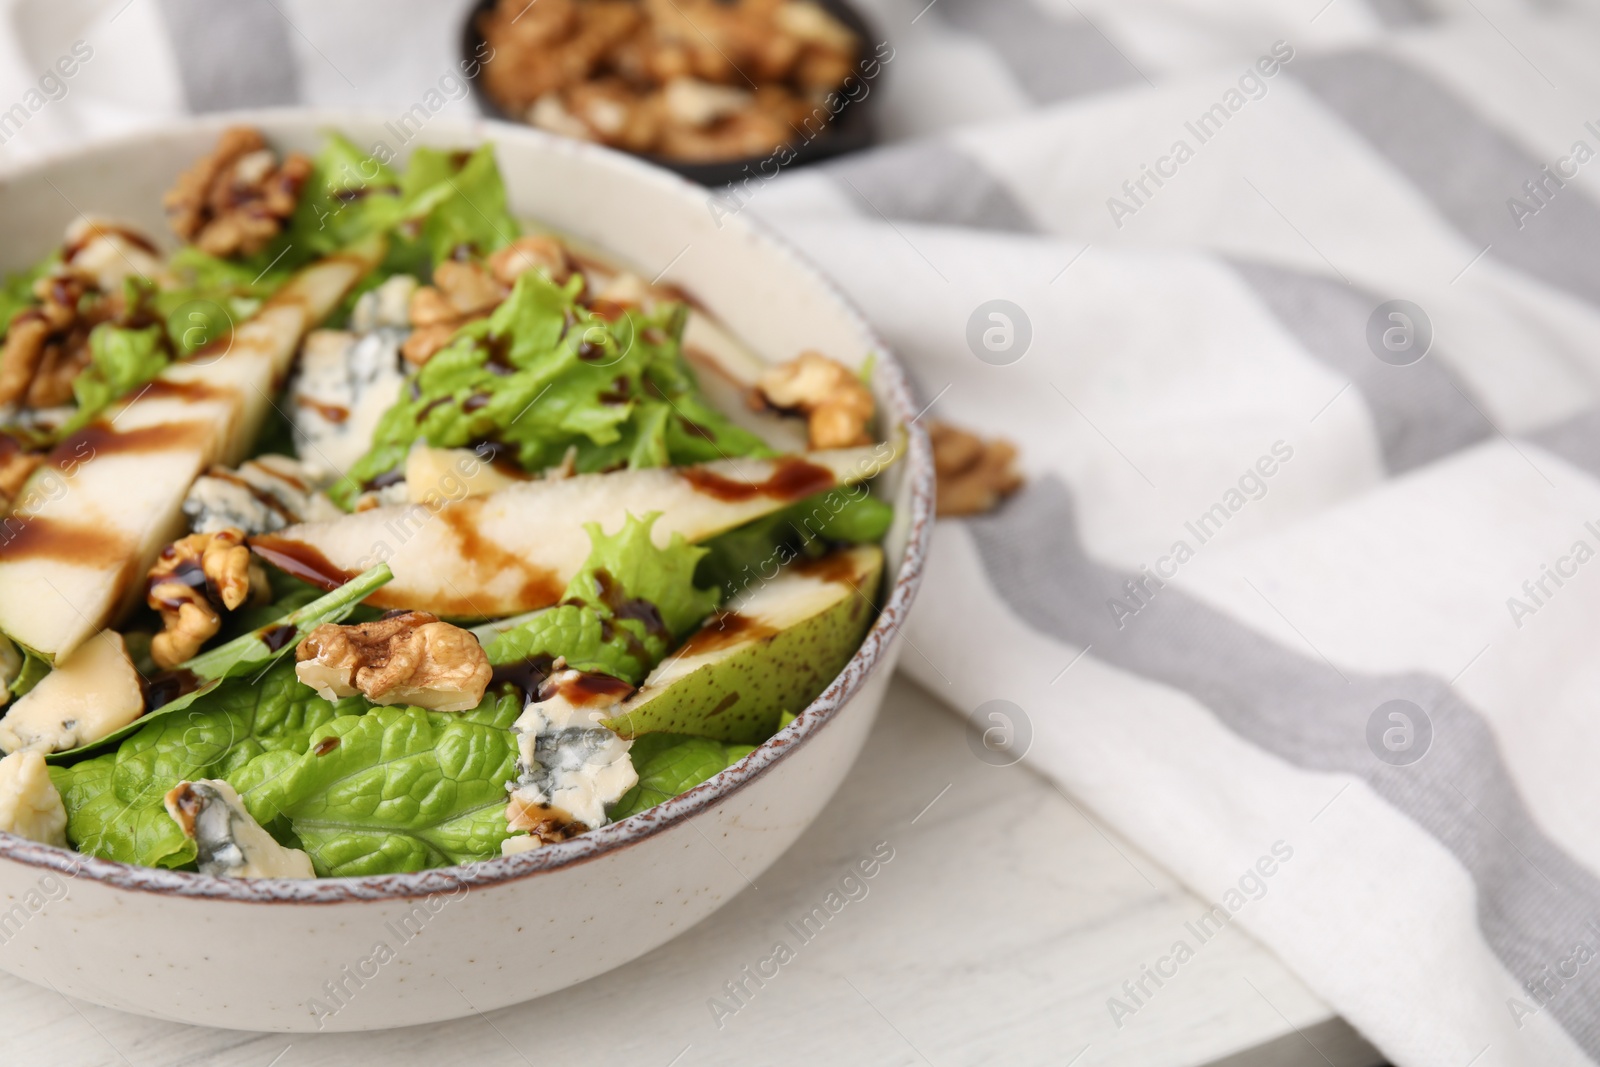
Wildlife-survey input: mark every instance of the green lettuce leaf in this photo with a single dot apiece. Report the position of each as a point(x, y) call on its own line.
point(585, 637)
point(101, 824)
point(34, 668)
point(443, 201)
point(462, 200)
point(396, 789)
point(627, 567)
point(349, 195)
point(620, 614)
point(114, 802)
point(669, 764)
point(245, 654)
point(753, 552)
point(120, 360)
point(212, 296)
point(252, 650)
point(543, 374)
point(16, 291)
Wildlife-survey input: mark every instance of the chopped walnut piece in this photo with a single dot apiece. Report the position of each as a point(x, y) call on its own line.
point(238, 198)
point(16, 467)
point(836, 402)
point(550, 45)
point(407, 658)
point(525, 254)
point(193, 581)
point(974, 475)
point(460, 293)
point(692, 80)
point(467, 288)
point(47, 345)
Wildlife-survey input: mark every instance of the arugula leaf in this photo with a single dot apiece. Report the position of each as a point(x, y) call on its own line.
point(669, 764)
point(247, 653)
point(396, 789)
point(114, 801)
point(252, 650)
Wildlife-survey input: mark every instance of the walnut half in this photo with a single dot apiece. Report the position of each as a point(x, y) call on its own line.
point(974, 475)
point(238, 198)
point(193, 581)
point(837, 404)
point(408, 658)
point(47, 345)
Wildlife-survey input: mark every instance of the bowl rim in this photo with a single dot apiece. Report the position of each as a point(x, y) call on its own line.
point(635, 829)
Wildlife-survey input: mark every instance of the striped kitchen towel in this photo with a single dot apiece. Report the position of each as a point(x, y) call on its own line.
point(1293, 308)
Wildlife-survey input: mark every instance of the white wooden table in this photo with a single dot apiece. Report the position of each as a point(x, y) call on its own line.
point(946, 960)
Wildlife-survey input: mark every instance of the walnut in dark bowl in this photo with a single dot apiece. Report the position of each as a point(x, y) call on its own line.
point(717, 90)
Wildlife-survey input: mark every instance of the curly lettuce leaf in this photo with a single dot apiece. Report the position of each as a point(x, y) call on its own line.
point(349, 195)
point(120, 360)
point(669, 764)
point(16, 291)
point(114, 802)
point(212, 297)
point(543, 374)
point(443, 201)
point(634, 569)
point(583, 636)
point(621, 612)
point(462, 199)
point(515, 377)
point(396, 789)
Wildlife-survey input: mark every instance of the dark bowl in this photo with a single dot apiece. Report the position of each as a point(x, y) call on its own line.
point(852, 129)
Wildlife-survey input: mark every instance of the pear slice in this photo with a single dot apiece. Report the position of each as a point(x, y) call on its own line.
point(110, 495)
point(515, 550)
point(771, 650)
point(727, 373)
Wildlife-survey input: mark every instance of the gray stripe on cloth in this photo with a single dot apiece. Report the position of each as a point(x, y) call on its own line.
point(1534, 901)
point(232, 55)
point(931, 181)
point(1464, 164)
point(1054, 57)
point(1422, 411)
point(1402, 12)
point(1577, 440)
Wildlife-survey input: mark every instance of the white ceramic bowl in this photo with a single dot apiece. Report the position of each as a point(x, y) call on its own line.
point(394, 950)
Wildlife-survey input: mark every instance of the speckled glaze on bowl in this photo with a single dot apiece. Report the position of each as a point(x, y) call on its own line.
point(396, 950)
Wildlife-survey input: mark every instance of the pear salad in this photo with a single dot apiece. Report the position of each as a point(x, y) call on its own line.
point(371, 530)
